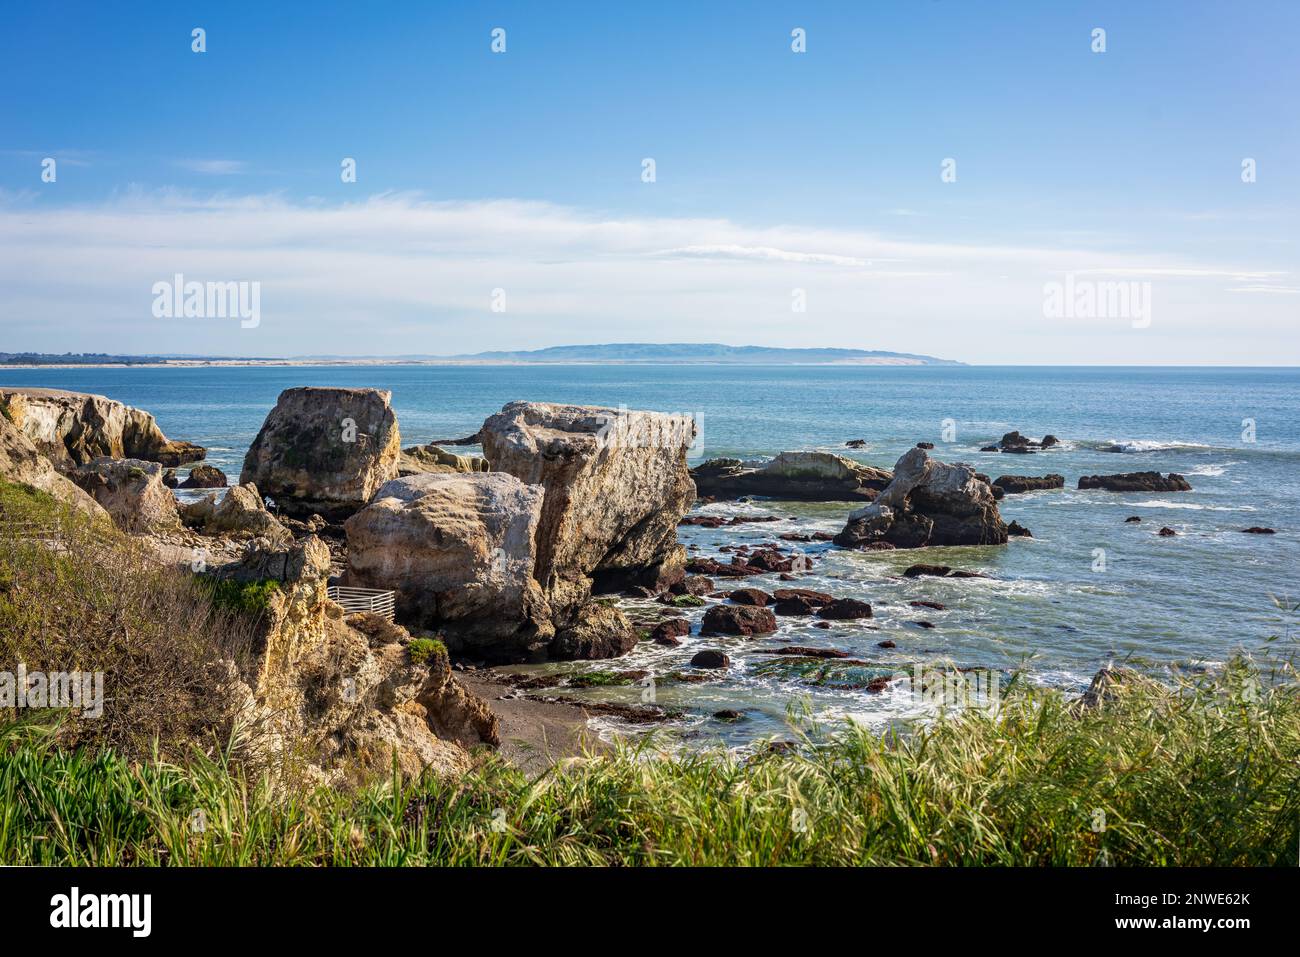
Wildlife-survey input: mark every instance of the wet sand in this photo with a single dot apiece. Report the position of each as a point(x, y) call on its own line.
point(534, 734)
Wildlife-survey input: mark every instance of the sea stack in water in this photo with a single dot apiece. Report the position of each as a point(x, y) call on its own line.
point(1136, 482)
point(458, 547)
point(927, 503)
point(325, 450)
point(616, 486)
point(800, 476)
point(75, 428)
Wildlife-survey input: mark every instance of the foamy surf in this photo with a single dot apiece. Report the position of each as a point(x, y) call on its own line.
point(1144, 445)
point(1192, 506)
point(1212, 470)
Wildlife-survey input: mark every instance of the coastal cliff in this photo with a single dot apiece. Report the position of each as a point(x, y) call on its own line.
point(75, 428)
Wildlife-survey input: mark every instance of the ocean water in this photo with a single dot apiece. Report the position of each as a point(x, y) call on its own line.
point(1048, 607)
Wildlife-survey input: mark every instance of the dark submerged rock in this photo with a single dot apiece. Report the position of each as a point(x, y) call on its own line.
point(710, 658)
point(204, 476)
point(750, 596)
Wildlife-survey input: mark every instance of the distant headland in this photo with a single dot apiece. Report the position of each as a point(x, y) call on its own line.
point(618, 352)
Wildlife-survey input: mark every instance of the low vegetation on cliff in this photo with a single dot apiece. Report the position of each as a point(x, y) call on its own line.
point(77, 595)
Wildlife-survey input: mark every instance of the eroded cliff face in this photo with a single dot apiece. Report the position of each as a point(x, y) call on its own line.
point(325, 451)
point(74, 428)
point(343, 696)
point(21, 462)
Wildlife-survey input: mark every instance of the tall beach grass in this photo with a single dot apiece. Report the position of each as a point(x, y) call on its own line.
point(1205, 774)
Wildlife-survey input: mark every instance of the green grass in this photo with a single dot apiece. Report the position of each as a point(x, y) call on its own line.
point(1205, 775)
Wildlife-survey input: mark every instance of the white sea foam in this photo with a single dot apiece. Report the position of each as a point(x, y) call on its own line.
point(1147, 445)
point(1192, 506)
point(1212, 469)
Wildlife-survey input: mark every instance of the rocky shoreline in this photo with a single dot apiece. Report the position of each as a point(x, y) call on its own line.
point(558, 544)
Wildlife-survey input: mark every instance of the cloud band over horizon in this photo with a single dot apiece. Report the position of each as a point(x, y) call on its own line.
point(397, 273)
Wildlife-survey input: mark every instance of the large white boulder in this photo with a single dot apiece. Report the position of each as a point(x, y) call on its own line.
point(460, 550)
point(132, 492)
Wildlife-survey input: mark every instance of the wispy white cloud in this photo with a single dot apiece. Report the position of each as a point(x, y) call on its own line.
point(764, 254)
point(213, 167)
point(397, 273)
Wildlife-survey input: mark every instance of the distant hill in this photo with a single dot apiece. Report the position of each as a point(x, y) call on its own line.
point(706, 352)
point(622, 352)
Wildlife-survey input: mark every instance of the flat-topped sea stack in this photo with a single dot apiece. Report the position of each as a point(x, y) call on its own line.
point(1136, 482)
point(927, 503)
point(325, 451)
point(75, 428)
point(459, 549)
point(616, 486)
point(798, 476)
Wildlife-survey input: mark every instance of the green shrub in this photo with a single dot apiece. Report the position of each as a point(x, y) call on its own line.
point(250, 598)
point(423, 649)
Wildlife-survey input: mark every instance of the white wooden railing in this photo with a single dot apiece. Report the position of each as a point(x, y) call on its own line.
point(375, 600)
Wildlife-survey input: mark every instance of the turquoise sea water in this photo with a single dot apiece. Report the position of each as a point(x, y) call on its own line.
point(1188, 601)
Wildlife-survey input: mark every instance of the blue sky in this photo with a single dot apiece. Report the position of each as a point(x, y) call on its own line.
point(775, 171)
